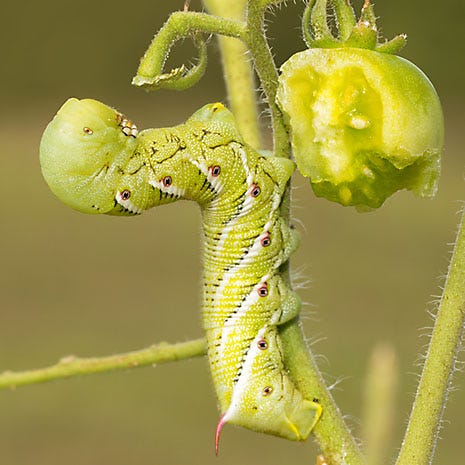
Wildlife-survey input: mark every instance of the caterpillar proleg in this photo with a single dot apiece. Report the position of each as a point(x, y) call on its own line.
point(96, 161)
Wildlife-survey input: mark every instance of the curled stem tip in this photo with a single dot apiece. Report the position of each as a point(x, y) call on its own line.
point(181, 25)
point(180, 78)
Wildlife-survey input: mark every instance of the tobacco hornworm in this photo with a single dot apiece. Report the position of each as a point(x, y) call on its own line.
point(96, 161)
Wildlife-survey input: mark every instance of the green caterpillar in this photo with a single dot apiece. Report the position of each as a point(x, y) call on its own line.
point(96, 161)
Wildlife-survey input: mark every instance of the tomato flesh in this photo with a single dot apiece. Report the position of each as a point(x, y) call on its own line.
point(364, 124)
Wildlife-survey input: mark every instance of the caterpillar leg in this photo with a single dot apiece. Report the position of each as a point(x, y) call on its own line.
point(291, 240)
point(290, 304)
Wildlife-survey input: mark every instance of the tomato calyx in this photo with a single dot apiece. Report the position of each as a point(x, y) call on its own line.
point(349, 31)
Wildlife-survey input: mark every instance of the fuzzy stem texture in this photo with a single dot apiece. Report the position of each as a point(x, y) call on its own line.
point(333, 436)
point(267, 73)
point(71, 366)
point(181, 24)
point(425, 419)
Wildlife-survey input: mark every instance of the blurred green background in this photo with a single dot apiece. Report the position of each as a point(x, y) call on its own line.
point(84, 285)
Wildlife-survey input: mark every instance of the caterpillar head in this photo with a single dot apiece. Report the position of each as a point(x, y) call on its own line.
point(88, 159)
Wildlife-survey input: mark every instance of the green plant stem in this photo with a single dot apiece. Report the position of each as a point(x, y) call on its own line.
point(71, 366)
point(179, 25)
point(267, 72)
point(425, 420)
point(238, 73)
point(334, 438)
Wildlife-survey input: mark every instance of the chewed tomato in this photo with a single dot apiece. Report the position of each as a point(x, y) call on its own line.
point(364, 124)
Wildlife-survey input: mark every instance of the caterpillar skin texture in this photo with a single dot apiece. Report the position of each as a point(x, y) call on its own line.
point(96, 161)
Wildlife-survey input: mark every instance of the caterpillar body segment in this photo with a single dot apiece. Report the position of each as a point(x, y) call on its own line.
point(265, 398)
point(96, 161)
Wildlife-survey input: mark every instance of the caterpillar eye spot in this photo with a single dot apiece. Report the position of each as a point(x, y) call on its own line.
point(167, 181)
point(265, 240)
point(88, 130)
point(263, 290)
point(255, 191)
point(125, 194)
point(267, 391)
point(215, 170)
point(262, 344)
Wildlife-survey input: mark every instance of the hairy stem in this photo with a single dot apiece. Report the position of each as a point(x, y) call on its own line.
point(333, 436)
point(425, 420)
point(181, 24)
point(71, 366)
point(267, 72)
point(238, 73)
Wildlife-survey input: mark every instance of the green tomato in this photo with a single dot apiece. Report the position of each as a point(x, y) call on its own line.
point(364, 124)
